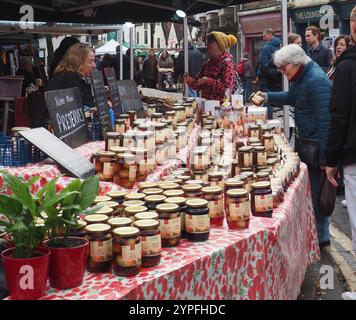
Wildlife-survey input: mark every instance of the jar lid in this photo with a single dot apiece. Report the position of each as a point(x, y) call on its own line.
point(241, 178)
point(237, 193)
point(271, 161)
point(147, 185)
point(135, 196)
point(215, 174)
point(262, 174)
point(99, 199)
point(143, 134)
point(199, 173)
point(124, 115)
point(196, 203)
point(121, 121)
point(146, 224)
point(146, 215)
point(157, 115)
point(97, 227)
point(126, 231)
point(268, 135)
point(247, 174)
point(117, 194)
point(171, 180)
point(133, 203)
point(126, 156)
point(106, 154)
point(159, 125)
point(135, 209)
point(152, 191)
point(170, 113)
point(167, 207)
point(155, 198)
point(245, 149)
point(183, 177)
point(173, 193)
point(234, 183)
point(138, 150)
point(109, 204)
point(253, 126)
point(119, 221)
point(212, 190)
point(113, 135)
point(261, 185)
point(266, 127)
point(168, 186)
point(96, 218)
point(175, 200)
point(118, 149)
point(259, 148)
point(192, 187)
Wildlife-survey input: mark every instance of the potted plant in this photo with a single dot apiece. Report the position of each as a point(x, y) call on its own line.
point(68, 254)
point(25, 263)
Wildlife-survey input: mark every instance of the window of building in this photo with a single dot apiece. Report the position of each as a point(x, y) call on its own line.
point(145, 25)
point(158, 43)
point(146, 37)
point(137, 37)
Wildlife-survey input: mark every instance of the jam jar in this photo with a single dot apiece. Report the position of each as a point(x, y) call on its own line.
point(141, 158)
point(127, 254)
point(268, 142)
point(216, 178)
point(259, 157)
point(169, 128)
point(245, 157)
point(100, 247)
point(130, 212)
point(250, 178)
point(161, 153)
point(112, 140)
point(156, 117)
point(160, 133)
point(118, 196)
point(120, 126)
point(96, 219)
point(119, 222)
point(214, 196)
point(151, 242)
point(263, 176)
point(232, 183)
point(118, 150)
point(201, 175)
point(151, 108)
point(104, 165)
point(192, 190)
point(125, 170)
point(235, 169)
point(197, 220)
point(262, 199)
point(129, 140)
point(147, 215)
point(152, 191)
point(154, 200)
point(254, 131)
point(133, 117)
point(251, 141)
point(171, 116)
point(182, 208)
point(200, 159)
point(125, 117)
point(173, 193)
point(170, 221)
point(100, 199)
point(265, 129)
point(238, 209)
point(115, 206)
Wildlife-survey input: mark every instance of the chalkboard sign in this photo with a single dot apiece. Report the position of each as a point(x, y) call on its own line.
point(101, 102)
point(66, 111)
point(70, 160)
point(113, 90)
point(129, 97)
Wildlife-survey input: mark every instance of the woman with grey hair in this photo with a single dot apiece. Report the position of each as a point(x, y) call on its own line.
point(309, 93)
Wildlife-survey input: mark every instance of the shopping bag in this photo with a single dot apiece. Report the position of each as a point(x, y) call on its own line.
point(327, 196)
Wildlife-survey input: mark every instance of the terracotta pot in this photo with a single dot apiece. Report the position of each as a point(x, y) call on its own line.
point(26, 278)
point(67, 265)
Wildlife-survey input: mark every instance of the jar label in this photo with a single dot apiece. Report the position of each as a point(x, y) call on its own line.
point(197, 223)
point(160, 136)
point(263, 203)
point(170, 228)
point(101, 250)
point(261, 158)
point(108, 170)
point(239, 210)
point(132, 173)
point(248, 159)
point(151, 245)
point(131, 255)
point(120, 128)
point(216, 208)
point(143, 168)
point(255, 133)
point(113, 143)
point(269, 144)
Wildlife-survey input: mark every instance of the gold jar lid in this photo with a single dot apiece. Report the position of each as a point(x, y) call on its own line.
point(168, 186)
point(247, 174)
point(170, 113)
point(155, 198)
point(167, 207)
point(104, 210)
point(212, 190)
point(119, 222)
point(99, 199)
point(173, 193)
point(96, 218)
point(192, 187)
point(113, 135)
point(133, 203)
point(147, 185)
point(135, 209)
point(216, 174)
point(152, 191)
point(106, 154)
point(183, 177)
point(177, 181)
point(253, 126)
point(261, 185)
point(262, 174)
point(120, 121)
point(146, 215)
point(97, 228)
point(237, 193)
point(268, 136)
point(110, 204)
point(118, 149)
point(18, 129)
point(124, 115)
point(116, 194)
point(146, 224)
point(126, 156)
point(176, 200)
point(201, 182)
point(234, 183)
point(245, 149)
point(241, 178)
point(259, 148)
point(126, 232)
point(135, 196)
point(197, 203)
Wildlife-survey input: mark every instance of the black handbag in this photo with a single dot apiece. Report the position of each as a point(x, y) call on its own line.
point(308, 151)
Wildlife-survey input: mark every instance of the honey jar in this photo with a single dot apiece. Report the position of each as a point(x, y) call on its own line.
point(112, 140)
point(216, 178)
point(104, 165)
point(180, 201)
point(129, 212)
point(100, 247)
point(245, 156)
point(119, 222)
point(192, 190)
point(125, 170)
point(214, 196)
point(268, 142)
point(154, 200)
point(262, 199)
point(197, 220)
point(151, 243)
point(170, 222)
point(259, 157)
point(147, 215)
point(238, 209)
point(96, 219)
point(254, 131)
point(141, 158)
point(125, 117)
point(200, 159)
point(127, 255)
point(118, 196)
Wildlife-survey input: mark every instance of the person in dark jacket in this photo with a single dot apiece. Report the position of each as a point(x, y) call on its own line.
point(341, 43)
point(309, 93)
point(125, 62)
point(317, 52)
point(271, 46)
point(26, 70)
point(150, 71)
point(247, 77)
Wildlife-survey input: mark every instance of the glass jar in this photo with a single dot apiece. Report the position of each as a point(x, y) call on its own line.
point(129, 212)
point(214, 196)
point(125, 170)
point(151, 242)
point(268, 142)
point(141, 158)
point(256, 100)
point(125, 117)
point(180, 201)
point(131, 203)
point(238, 209)
point(100, 247)
point(262, 199)
point(161, 152)
point(265, 129)
point(197, 220)
point(104, 165)
point(263, 176)
point(171, 149)
point(201, 175)
point(151, 108)
point(100, 199)
point(216, 179)
point(133, 117)
point(254, 131)
point(96, 219)
point(129, 140)
point(170, 221)
point(171, 116)
point(120, 126)
point(112, 140)
point(173, 193)
point(127, 254)
point(168, 186)
point(156, 117)
point(250, 178)
point(113, 205)
point(152, 191)
point(245, 157)
point(272, 163)
point(154, 200)
point(160, 137)
point(118, 150)
point(230, 184)
point(118, 196)
point(253, 140)
point(192, 190)
point(168, 128)
point(119, 222)
point(147, 215)
point(200, 159)
point(259, 157)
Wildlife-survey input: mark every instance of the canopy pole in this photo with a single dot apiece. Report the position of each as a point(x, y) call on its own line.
point(121, 42)
point(186, 65)
point(284, 9)
point(131, 53)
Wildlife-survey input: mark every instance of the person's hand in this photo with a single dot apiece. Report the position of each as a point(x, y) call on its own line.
point(262, 95)
point(188, 80)
point(202, 81)
point(331, 173)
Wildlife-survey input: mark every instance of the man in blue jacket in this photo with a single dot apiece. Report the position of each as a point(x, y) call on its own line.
point(271, 46)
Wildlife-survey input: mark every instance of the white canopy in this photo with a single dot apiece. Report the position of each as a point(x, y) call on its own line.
point(109, 47)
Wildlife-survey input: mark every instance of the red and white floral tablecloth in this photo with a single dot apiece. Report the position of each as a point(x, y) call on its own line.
point(266, 261)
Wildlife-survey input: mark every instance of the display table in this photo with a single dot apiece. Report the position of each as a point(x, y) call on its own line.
point(266, 261)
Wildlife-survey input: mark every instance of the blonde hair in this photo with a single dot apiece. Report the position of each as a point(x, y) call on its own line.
point(353, 14)
point(292, 37)
point(74, 59)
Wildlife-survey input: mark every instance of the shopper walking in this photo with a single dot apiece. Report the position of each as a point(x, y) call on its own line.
point(341, 43)
point(165, 64)
point(294, 38)
point(150, 71)
point(125, 63)
point(247, 73)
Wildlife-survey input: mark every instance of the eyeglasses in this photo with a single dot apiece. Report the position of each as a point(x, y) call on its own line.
point(283, 68)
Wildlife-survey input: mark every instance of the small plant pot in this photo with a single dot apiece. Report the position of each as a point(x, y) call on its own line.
point(26, 278)
point(68, 264)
